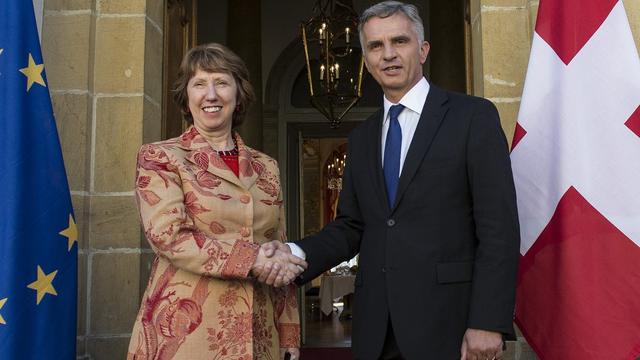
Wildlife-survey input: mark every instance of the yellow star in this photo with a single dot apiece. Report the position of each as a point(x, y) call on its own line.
point(33, 72)
point(71, 232)
point(2, 301)
point(43, 285)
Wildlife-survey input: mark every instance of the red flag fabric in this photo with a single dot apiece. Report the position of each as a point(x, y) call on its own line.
point(576, 163)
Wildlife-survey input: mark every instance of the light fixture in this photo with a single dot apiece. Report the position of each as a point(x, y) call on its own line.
point(333, 58)
point(335, 170)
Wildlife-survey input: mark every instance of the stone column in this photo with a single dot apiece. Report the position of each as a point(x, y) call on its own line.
point(244, 38)
point(67, 67)
point(104, 64)
point(506, 41)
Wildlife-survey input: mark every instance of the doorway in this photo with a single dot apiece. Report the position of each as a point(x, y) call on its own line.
point(316, 159)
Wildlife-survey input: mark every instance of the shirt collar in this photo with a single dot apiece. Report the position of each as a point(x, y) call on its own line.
point(413, 100)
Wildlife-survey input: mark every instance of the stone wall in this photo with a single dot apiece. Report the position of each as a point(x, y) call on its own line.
point(507, 30)
point(104, 66)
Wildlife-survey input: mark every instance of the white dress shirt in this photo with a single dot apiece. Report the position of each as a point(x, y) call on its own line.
point(413, 101)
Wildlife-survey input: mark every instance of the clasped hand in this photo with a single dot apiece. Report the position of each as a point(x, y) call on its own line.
point(276, 266)
point(481, 345)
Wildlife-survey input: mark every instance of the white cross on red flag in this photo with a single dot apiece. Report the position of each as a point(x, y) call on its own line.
point(576, 164)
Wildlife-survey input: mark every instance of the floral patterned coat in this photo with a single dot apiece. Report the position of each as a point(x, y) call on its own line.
point(205, 225)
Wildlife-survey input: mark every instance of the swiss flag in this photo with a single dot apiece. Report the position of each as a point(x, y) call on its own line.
point(576, 163)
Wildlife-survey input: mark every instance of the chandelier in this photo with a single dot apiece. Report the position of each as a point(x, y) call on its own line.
point(333, 58)
point(335, 170)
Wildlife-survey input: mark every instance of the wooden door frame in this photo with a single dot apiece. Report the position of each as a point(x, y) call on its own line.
point(186, 24)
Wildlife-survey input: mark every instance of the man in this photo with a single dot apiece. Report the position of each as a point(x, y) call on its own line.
point(428, 202)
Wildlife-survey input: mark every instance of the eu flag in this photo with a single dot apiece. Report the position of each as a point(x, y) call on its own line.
point(38, 234)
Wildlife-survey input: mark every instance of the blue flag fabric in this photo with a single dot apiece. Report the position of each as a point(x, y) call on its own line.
point(38, 234)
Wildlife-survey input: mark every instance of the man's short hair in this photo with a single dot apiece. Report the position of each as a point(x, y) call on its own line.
point(389, 8)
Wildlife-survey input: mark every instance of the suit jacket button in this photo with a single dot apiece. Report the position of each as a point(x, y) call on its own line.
point(391, 222)
point(384, 270)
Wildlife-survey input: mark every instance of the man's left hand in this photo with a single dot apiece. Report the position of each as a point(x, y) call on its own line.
point(481, 345)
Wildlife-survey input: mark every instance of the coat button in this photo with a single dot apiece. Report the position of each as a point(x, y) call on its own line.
point(384, 270)
point(245, 232)
point(245, 199)
point(391, 222)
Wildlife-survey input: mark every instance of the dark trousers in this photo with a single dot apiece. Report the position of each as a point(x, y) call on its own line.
point(390, 350)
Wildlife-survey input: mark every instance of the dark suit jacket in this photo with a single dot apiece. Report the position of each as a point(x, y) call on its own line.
point(444, 258)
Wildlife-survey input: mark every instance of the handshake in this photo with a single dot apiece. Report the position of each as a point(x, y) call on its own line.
point(276, 265)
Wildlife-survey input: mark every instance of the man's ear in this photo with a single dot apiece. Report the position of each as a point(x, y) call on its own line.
point(366, 64)
point(424, 51)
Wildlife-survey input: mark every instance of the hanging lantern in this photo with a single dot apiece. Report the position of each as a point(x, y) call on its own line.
point(333, 58)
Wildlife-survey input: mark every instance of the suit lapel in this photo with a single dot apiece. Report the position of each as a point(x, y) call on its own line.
point(433, 112)
point(374, 136)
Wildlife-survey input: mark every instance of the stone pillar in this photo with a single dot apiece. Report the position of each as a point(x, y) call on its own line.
point(104, 64)
point(244, 37)
point(66, 64)
point(506, 42)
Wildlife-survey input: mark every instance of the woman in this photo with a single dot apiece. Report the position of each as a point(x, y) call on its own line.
point(207, 201)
